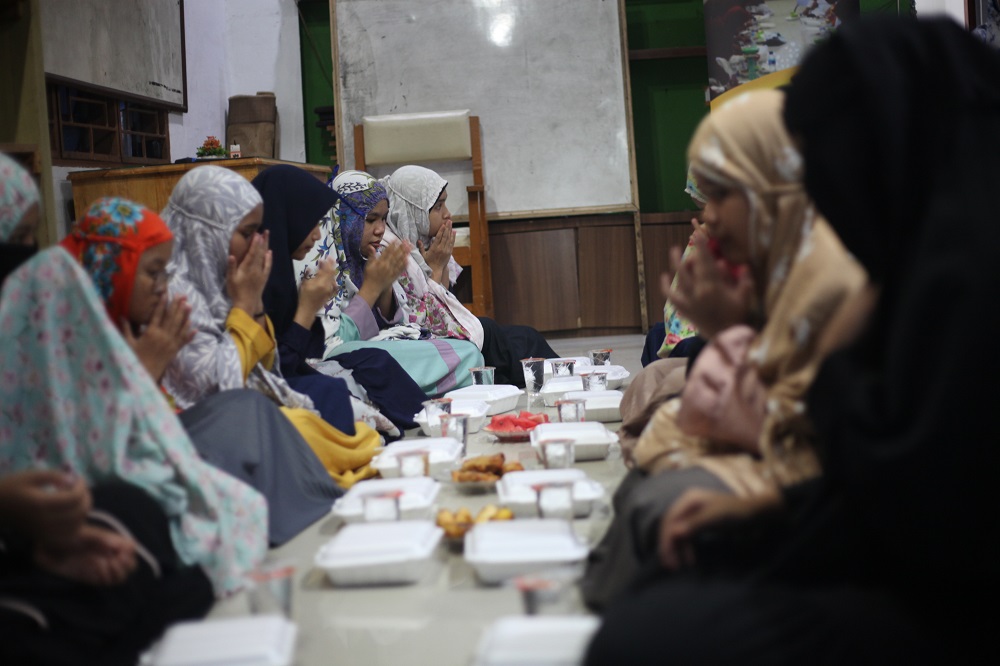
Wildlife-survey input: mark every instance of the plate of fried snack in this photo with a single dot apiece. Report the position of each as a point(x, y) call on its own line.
point(457, 523)
point(480, 474)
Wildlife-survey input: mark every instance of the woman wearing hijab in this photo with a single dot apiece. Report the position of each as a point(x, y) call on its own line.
point(419, 215)
point(239, 431)
point(294, 204)
point(365, 312)
point(220, 266)
point(19, 214)
point(737, 427)
point(76, 399)
point(889, 557)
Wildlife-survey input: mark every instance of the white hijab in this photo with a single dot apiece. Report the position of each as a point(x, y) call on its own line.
point(413, 191)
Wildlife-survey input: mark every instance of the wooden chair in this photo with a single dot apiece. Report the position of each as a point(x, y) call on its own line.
point(420, 138)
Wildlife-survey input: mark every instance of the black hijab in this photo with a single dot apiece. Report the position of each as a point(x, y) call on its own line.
point(900, 126)
point(294, 203)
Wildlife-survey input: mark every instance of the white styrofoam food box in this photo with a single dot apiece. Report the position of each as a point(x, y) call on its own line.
point(260, 640)
point(536, 640)
point(442, 455)
point(380, 553)
point(416, 497)
point(604, 406)
point(591, 440)
point(500, 397)
point(476, 409)
point(517, 490)
point(503, 549)
point(556, 387)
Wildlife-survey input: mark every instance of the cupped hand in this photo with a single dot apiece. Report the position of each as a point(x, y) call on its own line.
point(316, 292)
point(96, 556)
point(245, 280)
point(169, 329)
point(696, 510)
point(438, 254)
point(707, 293)
point(47, 506)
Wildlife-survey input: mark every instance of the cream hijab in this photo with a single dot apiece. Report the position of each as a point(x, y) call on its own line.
point(803, 274)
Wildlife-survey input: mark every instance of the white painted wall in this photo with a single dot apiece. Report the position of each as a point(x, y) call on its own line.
point(234, 47)
point(953, 8)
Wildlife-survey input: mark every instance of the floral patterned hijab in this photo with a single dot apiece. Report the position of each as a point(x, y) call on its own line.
point(18, 193)
point(359, 193)
point(108, 241)
point(75, 397)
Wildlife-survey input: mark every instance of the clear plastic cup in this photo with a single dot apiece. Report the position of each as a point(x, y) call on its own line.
point(600, 356)
point(571, 410)
point(269, 588)
point(482, 375)
point(594, 381)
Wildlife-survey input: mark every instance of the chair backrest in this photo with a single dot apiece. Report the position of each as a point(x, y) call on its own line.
point(439, 136)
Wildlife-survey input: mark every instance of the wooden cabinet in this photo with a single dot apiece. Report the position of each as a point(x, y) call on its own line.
point(574, 275)
point(151, 185)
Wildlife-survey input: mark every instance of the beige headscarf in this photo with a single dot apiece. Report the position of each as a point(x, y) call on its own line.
point(802, 273)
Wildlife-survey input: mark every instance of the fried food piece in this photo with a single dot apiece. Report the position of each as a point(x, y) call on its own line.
point(452, 528)
point(465, 476)
point(513, 466)
point(489, 464)
point(463, 515)
point(504, 513)
point(487, 513)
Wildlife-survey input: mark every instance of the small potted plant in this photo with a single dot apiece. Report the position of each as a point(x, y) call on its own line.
point(212, 148)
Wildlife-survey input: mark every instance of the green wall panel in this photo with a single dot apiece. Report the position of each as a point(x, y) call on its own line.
point(317, 84)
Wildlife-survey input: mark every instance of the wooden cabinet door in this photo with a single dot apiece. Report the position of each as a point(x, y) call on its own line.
point(535, 279)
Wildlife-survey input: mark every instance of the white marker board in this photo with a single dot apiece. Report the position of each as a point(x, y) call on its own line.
point(547, 79)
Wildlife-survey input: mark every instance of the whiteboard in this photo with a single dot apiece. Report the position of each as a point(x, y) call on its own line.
point(134, 47)
point(546, 78)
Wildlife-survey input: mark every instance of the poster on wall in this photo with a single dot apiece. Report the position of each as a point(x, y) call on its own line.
point(748, 40)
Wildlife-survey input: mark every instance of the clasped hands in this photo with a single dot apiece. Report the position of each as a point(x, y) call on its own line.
point(382, 270)
point(438, 255)
point(50, 508)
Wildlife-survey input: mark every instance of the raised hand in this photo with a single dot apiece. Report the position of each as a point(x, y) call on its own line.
point(438, 254)
point(382, 271)
point(245, 280)
point(47, 506)
point(315, 292)
point(167, 332)
point(707, 293)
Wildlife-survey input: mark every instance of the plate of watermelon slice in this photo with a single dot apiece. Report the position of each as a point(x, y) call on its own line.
point(509, 428)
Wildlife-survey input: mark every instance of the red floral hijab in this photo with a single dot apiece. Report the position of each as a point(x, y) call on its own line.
point(108, 241)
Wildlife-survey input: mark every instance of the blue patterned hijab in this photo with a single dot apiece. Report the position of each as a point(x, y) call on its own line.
point(359, 193)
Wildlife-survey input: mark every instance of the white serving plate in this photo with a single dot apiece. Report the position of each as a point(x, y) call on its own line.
point(617, 374)
point(380, 553)
point(415, 502)
point(581, 361)
point(556, 387)
point(591, 440)
point(500, 397)
point(504, 549)
point(476, 409)
point(516, 490)
point(604, 406)
point(442, 454)
point(261, 640)
point(537, 641)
